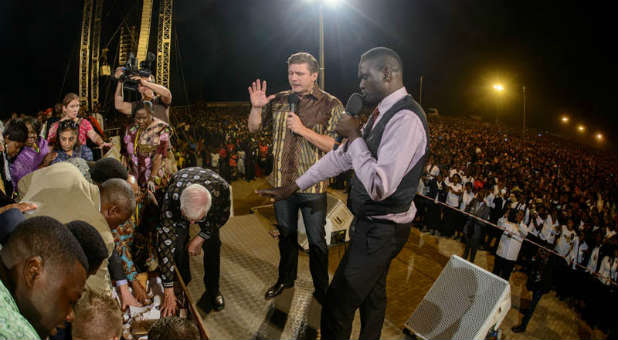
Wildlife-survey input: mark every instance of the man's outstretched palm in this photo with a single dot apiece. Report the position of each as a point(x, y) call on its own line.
point(257, 94)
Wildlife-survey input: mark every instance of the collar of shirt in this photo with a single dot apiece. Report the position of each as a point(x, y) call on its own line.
point(390, 100)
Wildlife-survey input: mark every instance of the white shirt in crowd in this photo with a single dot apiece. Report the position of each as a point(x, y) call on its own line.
point(465, 199)
point(432, 170)
point(577, 254)
point(532, 228)
point(548, 233)
point(452, 200)
point(608, 270)
point(511, 240)
point(591, 267)
point(214, 160)
point(567, 240)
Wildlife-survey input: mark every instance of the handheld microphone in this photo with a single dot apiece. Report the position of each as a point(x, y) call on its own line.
point(352, 108)
point(293, 100)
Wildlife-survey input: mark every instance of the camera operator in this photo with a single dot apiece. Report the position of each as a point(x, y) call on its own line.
point(159, 95)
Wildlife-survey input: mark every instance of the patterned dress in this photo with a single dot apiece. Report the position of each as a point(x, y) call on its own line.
point(143, 145)
point(13, 325)
point(172, 219)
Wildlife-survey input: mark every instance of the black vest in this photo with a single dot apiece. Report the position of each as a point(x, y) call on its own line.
point(359, 201)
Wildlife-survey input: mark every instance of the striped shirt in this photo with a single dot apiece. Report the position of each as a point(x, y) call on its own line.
point(293, 155)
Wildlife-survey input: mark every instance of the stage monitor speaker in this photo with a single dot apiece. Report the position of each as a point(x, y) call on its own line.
point(338, 220)
point(465, 302)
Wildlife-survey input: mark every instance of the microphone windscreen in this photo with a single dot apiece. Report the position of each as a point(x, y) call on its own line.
point(354, 104)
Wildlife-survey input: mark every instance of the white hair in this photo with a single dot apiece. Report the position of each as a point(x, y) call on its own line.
point(195, 202)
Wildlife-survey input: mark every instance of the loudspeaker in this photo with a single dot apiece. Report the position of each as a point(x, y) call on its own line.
point(338, 220)
point(465, 302)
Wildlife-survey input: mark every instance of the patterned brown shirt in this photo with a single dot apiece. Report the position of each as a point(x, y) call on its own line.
point(293, 154)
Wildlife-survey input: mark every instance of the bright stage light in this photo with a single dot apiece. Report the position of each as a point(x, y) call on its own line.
point(599, 137)
point(581, 128)
point(565, 119)
point(498, 87)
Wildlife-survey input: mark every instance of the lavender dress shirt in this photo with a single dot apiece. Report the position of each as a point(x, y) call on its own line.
point(402, 146)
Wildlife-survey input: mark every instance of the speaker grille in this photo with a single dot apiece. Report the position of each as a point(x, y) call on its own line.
point(460, 302)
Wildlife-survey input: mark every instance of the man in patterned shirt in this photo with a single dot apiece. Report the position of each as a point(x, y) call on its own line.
point(299, 140)
point(200, 196)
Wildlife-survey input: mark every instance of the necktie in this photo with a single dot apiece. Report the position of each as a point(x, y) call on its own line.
point(372, 120)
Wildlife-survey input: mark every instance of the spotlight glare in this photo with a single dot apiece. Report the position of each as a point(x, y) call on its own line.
point(581, 128)
point(565, 119)
point(331, 2)
point(599, 136)
point(498, 87)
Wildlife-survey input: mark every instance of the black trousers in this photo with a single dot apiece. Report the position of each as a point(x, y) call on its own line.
point(360, 280)
point(313, 209)
point(212, 261)
point(503, 267)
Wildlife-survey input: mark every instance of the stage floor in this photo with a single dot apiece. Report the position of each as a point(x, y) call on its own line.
point(249, 258)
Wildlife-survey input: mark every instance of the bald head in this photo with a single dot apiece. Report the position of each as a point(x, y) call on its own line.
point(195, 202)
point(117, 201)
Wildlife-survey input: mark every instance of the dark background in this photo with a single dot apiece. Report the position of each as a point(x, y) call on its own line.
point(563, 52)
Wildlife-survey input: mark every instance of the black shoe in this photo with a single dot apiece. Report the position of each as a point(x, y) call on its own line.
point(276, 290)
point(518, 329)
point(219, 302)
point(204, 303)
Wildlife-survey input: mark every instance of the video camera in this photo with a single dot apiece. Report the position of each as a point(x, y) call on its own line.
point(130, 69)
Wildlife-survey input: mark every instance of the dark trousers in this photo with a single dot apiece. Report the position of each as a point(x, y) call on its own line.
point(536, 297)
point(313, 209)
point(503, 267)
point(212, 261)
point(472, 237)
point(360, 280)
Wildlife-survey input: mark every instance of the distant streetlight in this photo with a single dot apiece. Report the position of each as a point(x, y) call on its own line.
point(565, 119)
point(581, 128)
point(498, 88)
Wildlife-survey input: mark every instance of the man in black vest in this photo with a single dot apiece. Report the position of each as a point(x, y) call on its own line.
point(388, 157)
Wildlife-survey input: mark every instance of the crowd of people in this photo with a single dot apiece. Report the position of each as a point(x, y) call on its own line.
point(540, 203)
point(216, 136)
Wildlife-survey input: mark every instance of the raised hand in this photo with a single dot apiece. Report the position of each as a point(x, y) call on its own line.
point(257, 94)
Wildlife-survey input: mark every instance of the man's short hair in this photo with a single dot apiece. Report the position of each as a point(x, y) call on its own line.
point(44, 236)
point(90, 239)
point(97, 316)
point(304, 58)
point(108, 168)
point(173, 328)
point(16, 131)
point(383, 57)
point(119, 192)
point(195, 201)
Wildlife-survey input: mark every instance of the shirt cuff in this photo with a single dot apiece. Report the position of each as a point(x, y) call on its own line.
point(305, 181)
point(121, 283)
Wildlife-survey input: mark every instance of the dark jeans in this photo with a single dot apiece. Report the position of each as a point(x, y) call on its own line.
point(360, 280)
point(503, 267)
point(212, 261)
point(313, 209)
point(536, 297)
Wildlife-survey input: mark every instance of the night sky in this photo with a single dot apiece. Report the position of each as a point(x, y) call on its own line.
point(563, 52)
